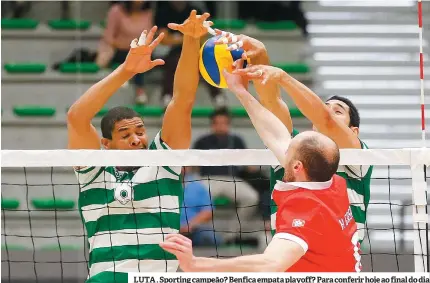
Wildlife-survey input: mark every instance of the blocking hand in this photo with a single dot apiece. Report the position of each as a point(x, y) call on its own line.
point(139, 57)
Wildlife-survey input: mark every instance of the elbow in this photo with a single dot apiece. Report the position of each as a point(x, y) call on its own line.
point(71, 114)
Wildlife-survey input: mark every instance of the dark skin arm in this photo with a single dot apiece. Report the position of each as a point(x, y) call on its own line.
point(176, 129)
point(81, 133)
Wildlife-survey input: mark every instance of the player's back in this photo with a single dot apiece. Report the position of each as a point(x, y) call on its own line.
point(319, 215)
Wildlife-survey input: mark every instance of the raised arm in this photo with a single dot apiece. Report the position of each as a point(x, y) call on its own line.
point(269, 94)
point(81, 133)
point(271, 130)
point(279, 255)
point(308, 102)
point(176, 129)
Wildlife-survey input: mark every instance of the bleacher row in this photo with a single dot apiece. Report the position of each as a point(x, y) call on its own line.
point(23, 70)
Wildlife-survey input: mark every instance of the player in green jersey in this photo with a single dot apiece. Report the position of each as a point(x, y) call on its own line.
point(337, 118)
point(128, 211)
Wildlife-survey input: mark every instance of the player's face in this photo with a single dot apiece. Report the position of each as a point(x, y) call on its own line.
point(129, 134)
point(340, 110)
point(221, 125)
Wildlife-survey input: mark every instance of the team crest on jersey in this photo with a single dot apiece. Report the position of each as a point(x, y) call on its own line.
point(298, 223)
point(124, 193)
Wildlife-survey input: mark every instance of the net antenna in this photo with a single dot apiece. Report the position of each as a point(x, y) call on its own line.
point(419, 185)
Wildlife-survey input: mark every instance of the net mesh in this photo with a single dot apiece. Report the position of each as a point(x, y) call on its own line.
point(43, 236)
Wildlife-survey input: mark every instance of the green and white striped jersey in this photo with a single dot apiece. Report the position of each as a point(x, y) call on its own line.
point(358, 186)
point(126, 215)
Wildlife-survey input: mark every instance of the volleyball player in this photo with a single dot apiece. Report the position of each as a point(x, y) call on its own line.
point(337, 118)
point(315, 229)
point(126, 211)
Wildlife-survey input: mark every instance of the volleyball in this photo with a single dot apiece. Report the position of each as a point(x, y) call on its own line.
point(214, 58)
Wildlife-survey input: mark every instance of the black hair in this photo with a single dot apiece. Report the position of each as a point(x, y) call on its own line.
point(223, 111)
point(354, 117)
point(319, 164)
point(113, 116)
point(128, 5)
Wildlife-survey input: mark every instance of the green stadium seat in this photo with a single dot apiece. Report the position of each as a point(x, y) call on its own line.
point(60, 247)
point(69, 24)
point(280, 25)
point(12, 247)
point(229, 24)
point(148, 111)
point(202, 112)
point(25, 68)
point(298, 68)
point(198, 112)
point(53, 204)
point(19, 23)
point(34, 111)
point(9, 203)
point(222, 201)
point(87, 68)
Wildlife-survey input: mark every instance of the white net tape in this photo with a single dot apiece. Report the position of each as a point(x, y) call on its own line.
point(398, 172)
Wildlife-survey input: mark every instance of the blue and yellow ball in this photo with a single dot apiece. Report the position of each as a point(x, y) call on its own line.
point(214, 58)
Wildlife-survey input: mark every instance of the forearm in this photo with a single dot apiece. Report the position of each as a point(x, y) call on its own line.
point(252, 263)
point(270, 94)
point(270, 129)
point(187, 72)
point(202, 218)
point(306, 100)
point(93, 100)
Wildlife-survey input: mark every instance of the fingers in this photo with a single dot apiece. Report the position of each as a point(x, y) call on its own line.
point(142, 38)
point(174, 237)
point(204, 17)
point(157, 40)
point(248, 54)
point(174, 26)
point(207, 25)
point(193, 14)
point(157, 62)
point(238, 64)
point(133, 44)
point(150, 35)
point(248, 69)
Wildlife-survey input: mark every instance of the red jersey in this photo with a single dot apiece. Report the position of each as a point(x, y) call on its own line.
point(318, 217)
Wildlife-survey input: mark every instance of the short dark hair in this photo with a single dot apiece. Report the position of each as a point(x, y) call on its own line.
point(354, 117)
point(113, 116)
point(223, 111)
point(320, 165)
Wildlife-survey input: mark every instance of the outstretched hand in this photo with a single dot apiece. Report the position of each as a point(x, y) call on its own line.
point(260, 72)
point(252, 47)
point(182, 248)
point(235, 82)
point(195, 26)
point(139, 57)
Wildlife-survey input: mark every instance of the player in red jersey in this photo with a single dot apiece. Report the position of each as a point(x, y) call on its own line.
point(315, 228)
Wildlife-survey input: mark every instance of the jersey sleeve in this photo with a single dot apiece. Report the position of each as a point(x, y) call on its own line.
point(86, 175)
point(159, 144)
point(298, 220)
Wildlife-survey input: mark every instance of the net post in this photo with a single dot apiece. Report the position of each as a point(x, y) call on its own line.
point(420, 214)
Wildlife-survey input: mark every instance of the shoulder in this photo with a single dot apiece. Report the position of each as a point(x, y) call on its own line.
point(300, 200)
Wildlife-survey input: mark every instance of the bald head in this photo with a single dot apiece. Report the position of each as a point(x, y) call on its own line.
point(318, 154)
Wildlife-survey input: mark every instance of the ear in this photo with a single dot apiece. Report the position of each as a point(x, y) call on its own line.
point(297, 166)
point(105, 143)
point(356, 130)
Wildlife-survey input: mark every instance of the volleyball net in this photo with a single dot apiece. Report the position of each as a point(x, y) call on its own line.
point(43, 236)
